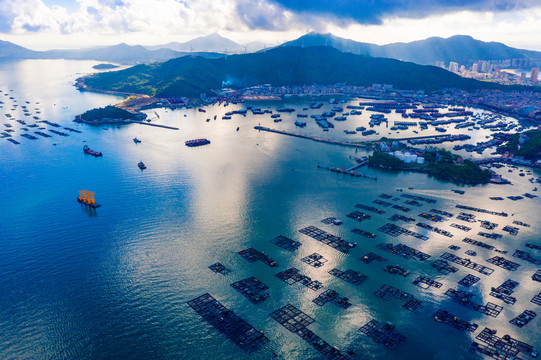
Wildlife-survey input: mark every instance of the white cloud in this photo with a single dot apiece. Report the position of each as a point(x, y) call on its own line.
point(31, 23)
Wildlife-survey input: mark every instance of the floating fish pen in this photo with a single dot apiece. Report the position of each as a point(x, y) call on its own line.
point(13, 141)
point(485, 224)
point(401, 208)
point(383, 333)
point(537, 276)
point(414, 203)
point(333, 241)
point(368, 258)
point(467, 263)
point(536, 299)
point(397, 217)
point(293, 275)
point(403, 251)
point(385, 196)
point(28, 136)
point(351, 276)
point(51, 123)
point(435, 229)
point(296, 322)
point(197, 142)
point(526, 256)
point(484, 211)
point(516, 222)
point(461, 227)
point(219, 268)
point(369, 208)
point(285, 243)
point(498, 198)
point(464, 298)
point(363, 233)
point(42, 134)
point(73, 130)
point(466, 217)
point(492, 236)
point(443, 267)
point(419, 198)
point(396, 270)
point(469, 280)
point(395, 231)
point(387, 292)
point(454, 247)
point(331, 220)
point(500, 348)
point(228, 323)
point(471, 253)
point(382, 203)
point(524, 318)
point(444, 317)
point(331, 296)
point(515, 198)
point(359, 216)
point(252, 289)
point(533, 246)
point(87, 198)
point(58, 132)
point(442, 213)
point(503, 263)
point(424, 282)
point(291, 318)
point(316, 260)
point(253, 255)
point(511, 230)
point(431, 217)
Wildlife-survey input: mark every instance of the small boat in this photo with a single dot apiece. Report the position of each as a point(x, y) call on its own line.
point(201, 110)
point(141, 165)
point(238, 128)
point(136, 140)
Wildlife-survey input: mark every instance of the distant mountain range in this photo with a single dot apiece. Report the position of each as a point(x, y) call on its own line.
point(190, 76)
point(121, 53)
point(459, 48)
point(213, 42)
point(462, 49)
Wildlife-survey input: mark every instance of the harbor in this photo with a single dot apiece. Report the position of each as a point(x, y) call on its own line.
point(332, 266)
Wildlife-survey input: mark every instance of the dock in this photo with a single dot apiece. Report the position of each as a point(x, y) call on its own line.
point(313, 138)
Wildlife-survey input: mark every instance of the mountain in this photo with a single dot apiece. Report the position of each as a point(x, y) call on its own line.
point(213, 42)
point(190, 76)
point(11, 50)
point(121, 53)
point(460, 48)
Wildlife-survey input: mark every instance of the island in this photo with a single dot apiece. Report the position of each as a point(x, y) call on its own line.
point(108, 115)
point(105, 66)
point(437, 162)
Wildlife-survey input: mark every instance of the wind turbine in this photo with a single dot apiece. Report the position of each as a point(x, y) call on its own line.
point(245, 47)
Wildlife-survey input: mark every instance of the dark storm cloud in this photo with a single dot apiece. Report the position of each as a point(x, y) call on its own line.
point(371, 11)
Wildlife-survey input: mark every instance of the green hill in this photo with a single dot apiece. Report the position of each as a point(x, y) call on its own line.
point(190, 76)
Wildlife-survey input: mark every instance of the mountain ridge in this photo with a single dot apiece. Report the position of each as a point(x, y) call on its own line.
point(282, 66)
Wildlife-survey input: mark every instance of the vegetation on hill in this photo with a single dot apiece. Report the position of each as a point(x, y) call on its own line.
point(440, 163)
point(108, 112)
point(285, 66)
point(530, 148)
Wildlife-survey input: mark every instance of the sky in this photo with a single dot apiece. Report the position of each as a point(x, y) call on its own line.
point(48, 24)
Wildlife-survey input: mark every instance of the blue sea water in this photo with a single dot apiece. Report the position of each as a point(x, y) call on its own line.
point(113, 283)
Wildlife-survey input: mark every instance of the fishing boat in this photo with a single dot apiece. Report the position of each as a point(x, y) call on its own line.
point(136, 140)
point(141, 165)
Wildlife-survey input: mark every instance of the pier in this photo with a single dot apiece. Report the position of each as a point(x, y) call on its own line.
point(314, 138)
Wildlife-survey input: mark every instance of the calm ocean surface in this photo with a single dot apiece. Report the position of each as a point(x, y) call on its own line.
point(113, 283)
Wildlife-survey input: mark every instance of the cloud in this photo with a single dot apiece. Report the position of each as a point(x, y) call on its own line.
point(374, 11)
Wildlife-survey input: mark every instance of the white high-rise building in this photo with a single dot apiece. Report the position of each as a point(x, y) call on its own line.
point(453, 66)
